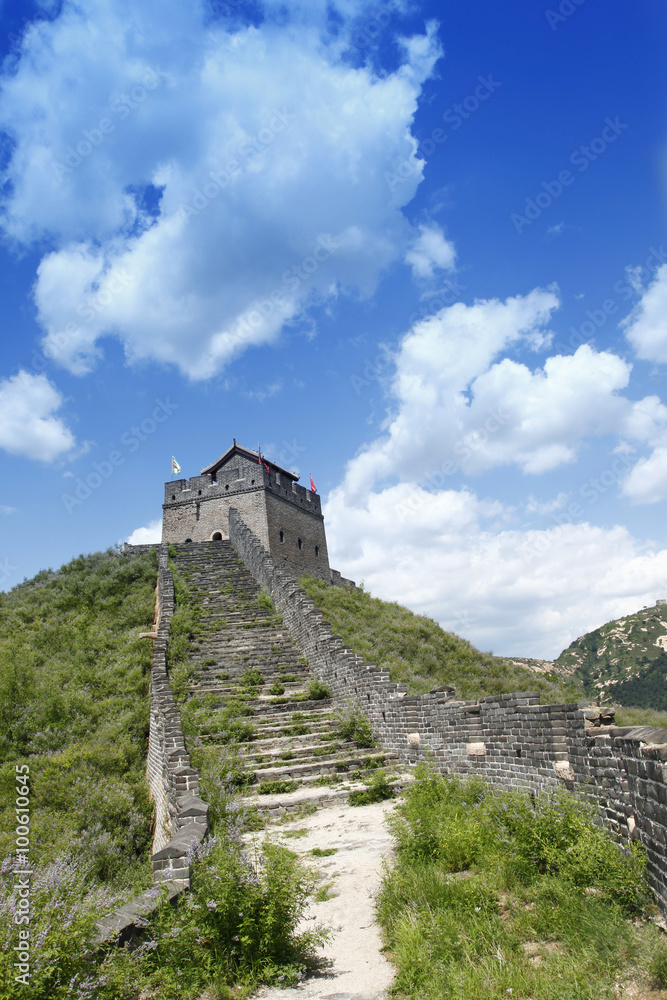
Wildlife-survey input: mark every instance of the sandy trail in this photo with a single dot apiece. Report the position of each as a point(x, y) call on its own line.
point(358, 970)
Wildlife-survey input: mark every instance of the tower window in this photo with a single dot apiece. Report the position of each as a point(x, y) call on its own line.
point(317, 551)
point(226, 486)
point(173, 496)
point(299, 543)
point(252, 482)
point(282, 535)
point(199, 493)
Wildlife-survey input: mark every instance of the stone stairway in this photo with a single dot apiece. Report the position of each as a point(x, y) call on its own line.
point(241, 655)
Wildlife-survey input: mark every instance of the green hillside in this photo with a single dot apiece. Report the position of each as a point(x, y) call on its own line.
point(421, 654)
point(74, 712)
point(624, 661)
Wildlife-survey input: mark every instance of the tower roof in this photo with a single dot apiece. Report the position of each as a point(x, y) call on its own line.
point(253, 456)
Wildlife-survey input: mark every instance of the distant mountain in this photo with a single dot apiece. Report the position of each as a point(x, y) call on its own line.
point(624, 661)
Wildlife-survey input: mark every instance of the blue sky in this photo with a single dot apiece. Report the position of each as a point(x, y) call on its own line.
point(417, 250)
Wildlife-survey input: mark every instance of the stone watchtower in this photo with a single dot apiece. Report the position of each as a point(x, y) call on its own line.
point(285, 517)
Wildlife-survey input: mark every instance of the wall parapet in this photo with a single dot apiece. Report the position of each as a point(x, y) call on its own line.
point(181, 816)
point(508, 739)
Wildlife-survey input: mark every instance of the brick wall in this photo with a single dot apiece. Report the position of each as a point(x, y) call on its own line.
point(297, 523)
point(268, 502)
point(181, 816)
point(510, 740)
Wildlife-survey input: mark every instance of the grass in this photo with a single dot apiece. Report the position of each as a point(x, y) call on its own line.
point(74, 711)
point(277, 787)
point(377, 790)
point(317, 691)
point(626, 716)
point(324, 893)
point(320, 852)
point(421, 654)
point(497, 895)
point(352, 726)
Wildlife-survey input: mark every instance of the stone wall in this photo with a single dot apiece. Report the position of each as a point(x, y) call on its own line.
point(269, 503)
point(510, 740)
point(298, 525)
point(181, 816)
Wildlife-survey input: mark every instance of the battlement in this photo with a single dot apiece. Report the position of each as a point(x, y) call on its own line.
point(241, 478)
point(286, 516)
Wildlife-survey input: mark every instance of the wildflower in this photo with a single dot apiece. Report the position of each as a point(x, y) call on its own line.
point(211, 904)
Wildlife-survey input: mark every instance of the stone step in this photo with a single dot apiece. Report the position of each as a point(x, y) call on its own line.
point(308, 797)
point(332, 764)
point(304, 752)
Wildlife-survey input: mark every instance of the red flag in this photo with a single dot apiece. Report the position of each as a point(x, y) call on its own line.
point(312, 486)
point(260, 460)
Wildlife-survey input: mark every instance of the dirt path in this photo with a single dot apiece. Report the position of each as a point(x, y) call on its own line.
point(351, 877)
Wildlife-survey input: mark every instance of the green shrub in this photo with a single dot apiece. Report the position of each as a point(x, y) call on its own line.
point(252, 677)
point(556, 834)
point(377, 790)
point(276, 787)
point(277, 688)
point(479, 874)
point(264, 601)
point(353, 726)
point(317, 691)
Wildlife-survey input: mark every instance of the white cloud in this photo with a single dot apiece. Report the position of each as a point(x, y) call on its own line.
point(448, 555)
point(457, 408)
point(647, 480)
point(461, 559)
point(4, 509)
point(273, 189)
point(28, 426)
point(535, 506)
point(646, 326)
point(148, 535)
point(429, 251)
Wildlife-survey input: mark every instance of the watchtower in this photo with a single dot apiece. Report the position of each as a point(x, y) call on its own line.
point(285, 517)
